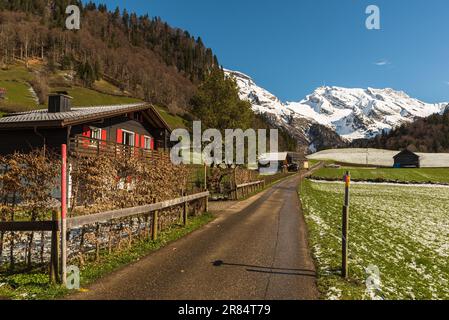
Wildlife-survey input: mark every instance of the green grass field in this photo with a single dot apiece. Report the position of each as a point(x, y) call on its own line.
point(83, 97)
point(18, 96)
point(401, 230)
point(425, 175)
point(15, 81)
point(174, 121)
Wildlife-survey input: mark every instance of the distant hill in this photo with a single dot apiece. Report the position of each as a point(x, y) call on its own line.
point(429, 134)
point(142, 56)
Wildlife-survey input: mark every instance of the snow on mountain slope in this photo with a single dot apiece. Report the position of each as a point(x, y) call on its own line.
point(351, 113)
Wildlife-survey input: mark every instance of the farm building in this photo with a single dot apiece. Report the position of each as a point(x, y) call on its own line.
point(287, 161)
point(265, 161)
point(105, 129)
point(407, 159)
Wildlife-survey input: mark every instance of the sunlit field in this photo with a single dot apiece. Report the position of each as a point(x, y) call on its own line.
point(403, 230)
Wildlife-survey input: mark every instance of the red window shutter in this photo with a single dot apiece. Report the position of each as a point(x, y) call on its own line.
point(104, 135)
point(142, 142)
point(119, 136)
point(152, 144)
point(137, 141)
point(86, 132)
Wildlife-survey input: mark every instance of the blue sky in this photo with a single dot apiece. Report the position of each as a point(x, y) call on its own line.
point(290, 47)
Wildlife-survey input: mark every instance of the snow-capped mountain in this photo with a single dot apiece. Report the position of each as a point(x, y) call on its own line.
point(350, 113)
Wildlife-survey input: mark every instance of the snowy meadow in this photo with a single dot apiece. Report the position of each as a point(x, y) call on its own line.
point(401, 230)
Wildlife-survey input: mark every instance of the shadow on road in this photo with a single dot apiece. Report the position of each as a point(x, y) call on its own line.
point(260, 269)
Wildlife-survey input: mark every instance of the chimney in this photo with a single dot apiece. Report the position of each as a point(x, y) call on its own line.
point(59, 102)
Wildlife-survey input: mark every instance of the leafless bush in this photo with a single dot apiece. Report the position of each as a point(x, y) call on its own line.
point(27, 182)
point(40, 86)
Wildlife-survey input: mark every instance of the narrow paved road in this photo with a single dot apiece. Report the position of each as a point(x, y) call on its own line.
point(257, 249)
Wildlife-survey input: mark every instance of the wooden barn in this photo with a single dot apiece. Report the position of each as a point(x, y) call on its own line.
point(90, 130)
point(407, 159)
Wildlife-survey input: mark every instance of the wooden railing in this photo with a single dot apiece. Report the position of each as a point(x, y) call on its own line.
point(245, 189)
point(55, 225)
point(93, 147)
point(77, 222)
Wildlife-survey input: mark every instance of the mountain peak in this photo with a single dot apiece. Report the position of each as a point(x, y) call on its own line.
point(352, 113)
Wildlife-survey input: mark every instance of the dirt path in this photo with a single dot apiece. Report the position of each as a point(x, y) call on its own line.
point(255, 249)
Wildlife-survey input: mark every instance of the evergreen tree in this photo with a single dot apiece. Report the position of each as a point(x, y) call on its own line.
point(217, 103)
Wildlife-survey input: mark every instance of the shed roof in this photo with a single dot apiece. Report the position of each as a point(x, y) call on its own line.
point(43, 118)
point(275, 156)
point(406, 152)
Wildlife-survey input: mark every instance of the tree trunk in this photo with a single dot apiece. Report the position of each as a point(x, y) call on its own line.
point(30, 249)
point(42, 247)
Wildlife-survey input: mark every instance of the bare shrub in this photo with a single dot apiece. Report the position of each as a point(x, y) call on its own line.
point(40, 86)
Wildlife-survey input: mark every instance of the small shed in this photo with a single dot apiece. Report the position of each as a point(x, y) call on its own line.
point(267, 159)
point(407, 159)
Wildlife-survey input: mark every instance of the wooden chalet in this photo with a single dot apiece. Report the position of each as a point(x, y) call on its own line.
point(132, 128)
point(407, 159)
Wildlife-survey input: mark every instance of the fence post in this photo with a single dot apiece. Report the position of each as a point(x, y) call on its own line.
point(207, 204)
point(185, 213)
point(205, 176)
point(345, 227)
point(54, 260)
point(64, 214)
point(154, 230)
point(236, 195)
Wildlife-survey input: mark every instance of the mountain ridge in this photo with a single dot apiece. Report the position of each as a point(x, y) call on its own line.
point(350, 113)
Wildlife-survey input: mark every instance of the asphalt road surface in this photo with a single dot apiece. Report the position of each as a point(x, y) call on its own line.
point(255, 250)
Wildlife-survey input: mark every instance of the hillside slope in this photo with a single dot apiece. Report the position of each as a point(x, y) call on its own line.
point(429, 134)
point(141, 55)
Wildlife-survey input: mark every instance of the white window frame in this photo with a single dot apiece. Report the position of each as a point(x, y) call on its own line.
point(93, 131)
point(147, 139)
point(133, 140)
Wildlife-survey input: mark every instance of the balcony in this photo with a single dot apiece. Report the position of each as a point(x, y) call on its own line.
point(88, 147)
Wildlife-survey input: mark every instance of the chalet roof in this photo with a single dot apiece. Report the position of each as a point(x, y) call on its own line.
point(43, 118)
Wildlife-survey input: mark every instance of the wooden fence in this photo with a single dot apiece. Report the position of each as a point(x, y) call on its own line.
point(55, 226)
